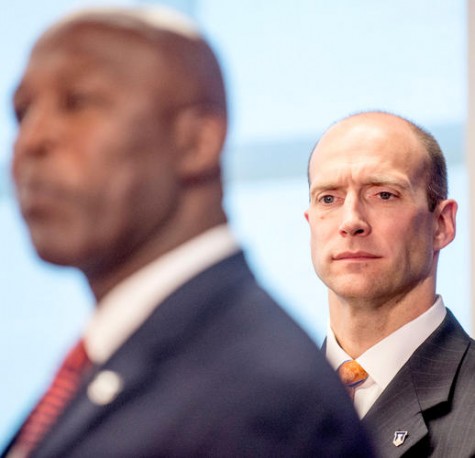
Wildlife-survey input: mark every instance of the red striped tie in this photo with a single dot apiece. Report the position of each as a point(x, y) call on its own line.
point(53, 402)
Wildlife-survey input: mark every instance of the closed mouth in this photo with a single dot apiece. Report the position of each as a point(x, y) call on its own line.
point(355, 256)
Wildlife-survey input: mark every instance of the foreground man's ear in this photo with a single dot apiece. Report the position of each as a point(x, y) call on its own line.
point(200, 136)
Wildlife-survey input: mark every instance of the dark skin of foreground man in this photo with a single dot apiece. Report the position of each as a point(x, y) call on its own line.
point(379, 216)
point(122, 120)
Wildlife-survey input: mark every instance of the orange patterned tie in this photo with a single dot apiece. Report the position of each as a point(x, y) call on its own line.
point(352, 375)
point(52, 403)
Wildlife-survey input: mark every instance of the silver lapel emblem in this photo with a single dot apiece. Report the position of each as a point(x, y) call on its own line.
point(105, 387)
point(399, 438)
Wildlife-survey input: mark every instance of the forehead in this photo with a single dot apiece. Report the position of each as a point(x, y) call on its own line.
point(366, 146)
point(84, 49)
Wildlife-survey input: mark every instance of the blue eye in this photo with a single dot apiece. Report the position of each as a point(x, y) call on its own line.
point(327, 199)
point(385, 195)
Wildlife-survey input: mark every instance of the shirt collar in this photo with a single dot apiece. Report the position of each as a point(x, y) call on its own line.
point(129, 303)
point(383, 360)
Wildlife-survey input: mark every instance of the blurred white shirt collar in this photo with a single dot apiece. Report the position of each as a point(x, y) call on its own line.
point(130, 303)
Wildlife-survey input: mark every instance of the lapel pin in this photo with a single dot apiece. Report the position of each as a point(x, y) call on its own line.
point(399, 438)
point(105, 387)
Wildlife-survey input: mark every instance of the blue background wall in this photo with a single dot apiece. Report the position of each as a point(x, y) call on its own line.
point(292, 68)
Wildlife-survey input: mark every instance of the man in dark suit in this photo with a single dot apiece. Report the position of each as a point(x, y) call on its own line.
point(379, 216)
point(122, 120)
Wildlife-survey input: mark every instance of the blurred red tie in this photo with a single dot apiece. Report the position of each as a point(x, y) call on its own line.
point(60, 392)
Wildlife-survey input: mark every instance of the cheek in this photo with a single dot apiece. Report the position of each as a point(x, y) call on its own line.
point(135, 195)
point(411, 237)
point(321, 234)
point(107, 195)
point(322, 230)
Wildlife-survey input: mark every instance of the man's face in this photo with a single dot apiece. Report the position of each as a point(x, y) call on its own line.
point(372, 234)
point(93, 161)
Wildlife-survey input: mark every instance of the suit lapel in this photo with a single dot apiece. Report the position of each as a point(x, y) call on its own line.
point(163, 334)
point(397, 409)
point(86, 410)
point(422, 384)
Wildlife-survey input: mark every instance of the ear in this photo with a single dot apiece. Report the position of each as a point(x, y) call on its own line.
point(305, 213)
point(199, 136)
point(445, 223)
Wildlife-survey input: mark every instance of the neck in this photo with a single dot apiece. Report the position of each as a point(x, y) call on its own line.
point(194, 217)
point(359, 324)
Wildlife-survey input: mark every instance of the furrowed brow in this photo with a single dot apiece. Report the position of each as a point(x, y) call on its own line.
point(323, 187)
point(382, 180)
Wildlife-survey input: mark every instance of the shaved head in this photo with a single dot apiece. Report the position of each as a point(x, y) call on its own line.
point(437, 182)
point(194, 68)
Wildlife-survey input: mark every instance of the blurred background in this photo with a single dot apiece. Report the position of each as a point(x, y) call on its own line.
point(292, 67)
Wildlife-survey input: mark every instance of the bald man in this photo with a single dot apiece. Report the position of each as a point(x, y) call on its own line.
point(121, 123)
point(379, 216)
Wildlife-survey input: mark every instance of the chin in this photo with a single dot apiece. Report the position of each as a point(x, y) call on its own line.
point(354, 289)
point(57, 257)
point(59, 251)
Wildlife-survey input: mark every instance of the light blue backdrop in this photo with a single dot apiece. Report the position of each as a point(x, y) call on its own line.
point(292, 67)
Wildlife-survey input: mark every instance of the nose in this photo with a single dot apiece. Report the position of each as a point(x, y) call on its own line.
point(36, 132)
point(35, 137)
point(354, 221)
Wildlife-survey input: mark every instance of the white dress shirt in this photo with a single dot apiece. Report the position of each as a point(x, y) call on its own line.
point(383, 360)
point(130, 303)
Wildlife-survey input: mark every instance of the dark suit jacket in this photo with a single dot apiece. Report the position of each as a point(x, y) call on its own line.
point(432, 398)
point(218, 370)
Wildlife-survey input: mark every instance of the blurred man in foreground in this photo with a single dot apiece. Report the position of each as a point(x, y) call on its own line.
point(379, 216)
point(122, 120)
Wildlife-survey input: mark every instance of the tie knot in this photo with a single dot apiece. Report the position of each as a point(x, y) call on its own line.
point(352, 374)
point(77, 359)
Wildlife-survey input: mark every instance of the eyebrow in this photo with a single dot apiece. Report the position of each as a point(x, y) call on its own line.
point(373, 180)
